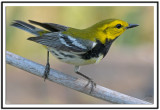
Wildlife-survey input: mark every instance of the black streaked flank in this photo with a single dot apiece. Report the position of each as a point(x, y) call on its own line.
point(54, 53)
point(66, 55)
point(60, 58)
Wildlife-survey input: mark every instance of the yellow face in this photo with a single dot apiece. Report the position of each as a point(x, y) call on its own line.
point(112, 30)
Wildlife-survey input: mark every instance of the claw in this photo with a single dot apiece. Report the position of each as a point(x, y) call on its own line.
point(47, 68)
point(93, 84)
point(46, 72)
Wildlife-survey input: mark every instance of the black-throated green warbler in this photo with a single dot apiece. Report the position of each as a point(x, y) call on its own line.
point(76, 46)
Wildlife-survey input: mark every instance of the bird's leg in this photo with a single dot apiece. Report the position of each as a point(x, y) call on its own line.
point(93, 84)
point(47, 68)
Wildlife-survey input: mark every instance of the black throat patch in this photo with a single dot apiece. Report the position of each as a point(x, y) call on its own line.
point(98, 49)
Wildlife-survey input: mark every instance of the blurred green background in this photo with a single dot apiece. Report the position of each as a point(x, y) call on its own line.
point(127, 68)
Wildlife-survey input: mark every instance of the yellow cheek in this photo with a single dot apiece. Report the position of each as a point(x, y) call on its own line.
point(108, 35)
point(114, 33)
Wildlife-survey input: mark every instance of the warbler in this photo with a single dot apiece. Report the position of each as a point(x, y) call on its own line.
point(76, 46)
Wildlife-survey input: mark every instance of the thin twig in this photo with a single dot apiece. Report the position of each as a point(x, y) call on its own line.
point(70, 81)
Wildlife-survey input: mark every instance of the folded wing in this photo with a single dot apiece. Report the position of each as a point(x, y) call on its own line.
point(63, 42)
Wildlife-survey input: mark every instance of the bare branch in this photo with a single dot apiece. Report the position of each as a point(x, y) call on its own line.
point(70, 81)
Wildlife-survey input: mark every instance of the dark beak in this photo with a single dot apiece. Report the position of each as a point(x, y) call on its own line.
point(132, 26)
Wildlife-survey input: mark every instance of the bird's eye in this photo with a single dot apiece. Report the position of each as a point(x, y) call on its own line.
point(118, 26)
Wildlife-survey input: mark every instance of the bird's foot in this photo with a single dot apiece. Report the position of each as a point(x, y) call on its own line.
point(46, 71)
point(93, 85)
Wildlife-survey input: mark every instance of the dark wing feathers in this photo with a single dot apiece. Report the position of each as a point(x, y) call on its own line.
point(59, 41)
point(56, 40)
point(50, 26)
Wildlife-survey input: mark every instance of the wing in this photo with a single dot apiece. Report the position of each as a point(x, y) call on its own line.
point(50, 26)
point(63, 42)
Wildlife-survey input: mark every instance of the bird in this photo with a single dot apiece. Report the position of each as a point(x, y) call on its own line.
point(74, 46)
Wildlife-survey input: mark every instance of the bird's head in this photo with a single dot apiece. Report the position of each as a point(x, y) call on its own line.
point(110, 29)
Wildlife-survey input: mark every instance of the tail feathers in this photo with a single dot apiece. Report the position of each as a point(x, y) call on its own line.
point(50, 26)
point(44, 25)
point(26, 27)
